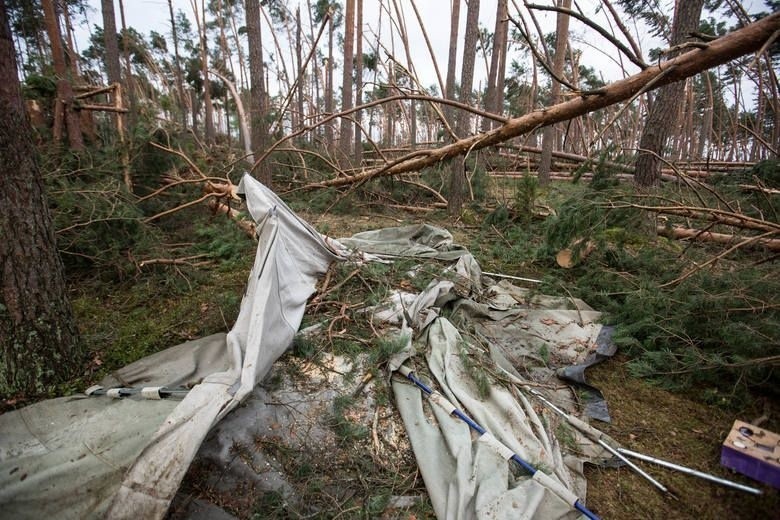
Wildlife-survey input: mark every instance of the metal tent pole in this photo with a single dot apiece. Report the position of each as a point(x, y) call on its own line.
point(407, 372)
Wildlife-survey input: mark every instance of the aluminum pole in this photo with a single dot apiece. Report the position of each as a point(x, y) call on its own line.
point(690, 471)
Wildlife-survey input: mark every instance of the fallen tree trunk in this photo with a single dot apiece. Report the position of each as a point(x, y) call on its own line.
point(681, 233)
point(715, 215)
point(748, 39)
point(566, 156)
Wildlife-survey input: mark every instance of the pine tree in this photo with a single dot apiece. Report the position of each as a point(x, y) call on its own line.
point(40, 343)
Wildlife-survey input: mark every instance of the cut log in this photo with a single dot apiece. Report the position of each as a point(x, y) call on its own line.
point(566, 257)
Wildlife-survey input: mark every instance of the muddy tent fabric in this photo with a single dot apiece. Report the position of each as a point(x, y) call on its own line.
point(97, 457)
point(468, 477)
point(80, 458)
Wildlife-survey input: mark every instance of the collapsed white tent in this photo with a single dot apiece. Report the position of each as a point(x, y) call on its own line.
point(91, 457)
point(84, 457)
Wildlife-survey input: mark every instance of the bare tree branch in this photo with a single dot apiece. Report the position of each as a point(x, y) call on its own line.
point(636, 60)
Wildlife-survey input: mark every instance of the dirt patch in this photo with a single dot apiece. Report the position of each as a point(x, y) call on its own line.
point(680, 429)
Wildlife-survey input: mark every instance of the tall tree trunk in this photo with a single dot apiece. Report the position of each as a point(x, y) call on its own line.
point(457, 193)
point(86, 121)
point(359, 82)
point(129, 86)
point(208, 107)
point(548, 137)
point(239, 48)
point(412, 75)
point(345, 141)
point(256, 78)
point(452, 60)
point(299, 66)
point(314, 102)
point(176, 65)
point(64, 111)
point(497, 57)
point(113, 69)
point(329, 85)
point(706, 128)
point(39, 339)
point(193, 97)
point(660, 121)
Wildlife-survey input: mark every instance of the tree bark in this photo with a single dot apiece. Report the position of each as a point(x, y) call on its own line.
point(208, 107)
point(700, 235)
point(329, 83)
point(64, 110)
point(301, 74)
point(494, 98)
point(359, 82)
point(39, 339)
point(256, 78)
point(412, 75)
point(129, 86)
point(452, 60)
point(345, 136)
point(663, 114)
point(548, 137)
point(177, 66)
point(457, 193)
point(113, 69)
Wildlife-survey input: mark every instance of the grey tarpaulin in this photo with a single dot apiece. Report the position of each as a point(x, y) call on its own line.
point(468, 478)
point(65, 458)
point(79, 458)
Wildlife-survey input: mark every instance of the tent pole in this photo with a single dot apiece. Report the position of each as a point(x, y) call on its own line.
point(407, 372)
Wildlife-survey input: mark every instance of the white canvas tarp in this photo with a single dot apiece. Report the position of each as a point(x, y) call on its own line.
point(80, 458)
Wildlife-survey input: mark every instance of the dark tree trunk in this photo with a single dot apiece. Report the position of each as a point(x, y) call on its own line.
point(329, 84)
point(113, 69)
point(495, 80)
point(64, 111)
point(129, 86)
point(548, 136)
point(662, 117)
point(208, 107)
point(457, 193)
point(358, 82)
point(257, 79)
point(39, 339)
point(345, 136)
point(299, 61)
point(449, 86)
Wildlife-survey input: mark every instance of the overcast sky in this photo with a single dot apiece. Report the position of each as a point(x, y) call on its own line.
point(152, 15)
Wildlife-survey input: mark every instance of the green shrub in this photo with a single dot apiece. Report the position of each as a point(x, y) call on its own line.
point(712, 328)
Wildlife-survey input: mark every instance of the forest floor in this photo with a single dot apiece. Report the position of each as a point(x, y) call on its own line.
point(166, 305)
